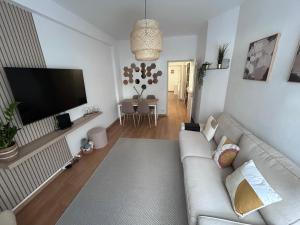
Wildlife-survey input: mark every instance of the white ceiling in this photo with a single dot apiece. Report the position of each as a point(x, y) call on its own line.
point(176, 17)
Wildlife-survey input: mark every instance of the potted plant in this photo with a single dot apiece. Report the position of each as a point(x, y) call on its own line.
point(221, 53)
point(201, 73)
point(140, 94)
point(206, 65)
point(8, 147)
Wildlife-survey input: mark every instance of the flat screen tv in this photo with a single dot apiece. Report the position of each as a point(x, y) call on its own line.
point(45, 92)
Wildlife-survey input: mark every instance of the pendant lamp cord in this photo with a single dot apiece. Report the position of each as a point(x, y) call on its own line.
point(145, 9)
point(146, 31)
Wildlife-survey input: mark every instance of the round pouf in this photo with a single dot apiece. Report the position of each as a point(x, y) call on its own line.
point(98, 136)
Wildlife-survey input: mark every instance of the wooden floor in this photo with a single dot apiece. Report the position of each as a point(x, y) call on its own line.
point(47, 207)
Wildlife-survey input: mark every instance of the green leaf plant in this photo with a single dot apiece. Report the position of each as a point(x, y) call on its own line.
point(221, 52)
point(202, 73)
point(7, 129)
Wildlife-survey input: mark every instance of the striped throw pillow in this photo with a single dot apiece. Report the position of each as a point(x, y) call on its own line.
point(225, 153)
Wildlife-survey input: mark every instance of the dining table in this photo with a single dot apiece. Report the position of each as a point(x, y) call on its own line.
point(151, 102)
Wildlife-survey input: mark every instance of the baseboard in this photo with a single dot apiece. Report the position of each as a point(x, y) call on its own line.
point(162, 115)
point(192, 120)
point(112, 124)
point(117, 120)
point(26, 200)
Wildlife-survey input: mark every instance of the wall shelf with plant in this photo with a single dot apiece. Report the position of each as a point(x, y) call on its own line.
point(218, 68)
point(222, 62)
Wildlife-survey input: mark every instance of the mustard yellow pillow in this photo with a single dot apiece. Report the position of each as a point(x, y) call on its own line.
point(225, 153)
point(248, 190)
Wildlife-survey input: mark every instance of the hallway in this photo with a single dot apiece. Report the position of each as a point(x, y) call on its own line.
point(176, 109)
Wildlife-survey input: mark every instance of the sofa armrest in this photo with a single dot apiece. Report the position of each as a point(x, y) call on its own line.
point(206, 220)
point(182, 127)
point(7, 217)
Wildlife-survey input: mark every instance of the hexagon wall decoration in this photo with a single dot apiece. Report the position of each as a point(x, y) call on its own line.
point(137, 75)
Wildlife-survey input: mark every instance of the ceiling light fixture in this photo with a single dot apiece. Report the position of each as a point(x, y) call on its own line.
point(146, 39)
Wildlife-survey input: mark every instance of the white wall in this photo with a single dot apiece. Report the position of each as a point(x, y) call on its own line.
point(270, 109)
point(201, 43)
point(221, 29)
point(183, 83)
point(68, 41)
point(174, 78)
point(201, 48)
point(65, 48)
point(55, 12)
point(116, 73)
point(174, 48)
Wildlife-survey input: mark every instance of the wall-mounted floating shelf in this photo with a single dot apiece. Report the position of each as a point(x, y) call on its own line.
point(218, 68)
point(38, 145)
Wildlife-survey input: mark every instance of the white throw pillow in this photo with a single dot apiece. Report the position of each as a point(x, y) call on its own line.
point(210, 128)
point(248, 190)
point(225, 153)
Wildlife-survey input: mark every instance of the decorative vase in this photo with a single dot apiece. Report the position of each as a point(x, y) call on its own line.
point(219, 66)
point(225, 63)
point(7, 154)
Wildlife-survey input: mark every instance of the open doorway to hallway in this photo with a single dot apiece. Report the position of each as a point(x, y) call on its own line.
point(181, 83)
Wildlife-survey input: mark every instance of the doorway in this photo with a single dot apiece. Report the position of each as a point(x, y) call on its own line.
point(181, 83)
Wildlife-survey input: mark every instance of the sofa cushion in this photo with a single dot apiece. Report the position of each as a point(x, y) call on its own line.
point(206, 194)
point(206, 220)
point(210, 128)
point(230, 128)
point(245, 152)
point(282, 175)
point(225, 153)
point(195, 144)
point(248, 190)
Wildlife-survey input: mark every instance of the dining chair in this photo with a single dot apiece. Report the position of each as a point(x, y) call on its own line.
point(143, 110)
point(151, 107)
point(135, 97)
point(150, 97)
point(128, 110)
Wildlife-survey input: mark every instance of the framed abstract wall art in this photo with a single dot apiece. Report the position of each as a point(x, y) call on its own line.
point(295, 72)
point(260, 57)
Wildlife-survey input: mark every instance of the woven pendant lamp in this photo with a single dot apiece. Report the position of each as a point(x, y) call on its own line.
point(146, 39)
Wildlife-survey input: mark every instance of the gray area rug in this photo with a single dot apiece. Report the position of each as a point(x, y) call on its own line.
point(140, 182)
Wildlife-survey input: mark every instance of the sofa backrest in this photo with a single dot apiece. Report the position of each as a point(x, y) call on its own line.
point(230, 128)
point(280, 172)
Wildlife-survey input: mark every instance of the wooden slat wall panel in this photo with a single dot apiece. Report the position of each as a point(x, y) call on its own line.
point(17, 183)
point(20, 47)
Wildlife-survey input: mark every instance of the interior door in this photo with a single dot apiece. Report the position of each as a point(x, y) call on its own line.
point(191, 89)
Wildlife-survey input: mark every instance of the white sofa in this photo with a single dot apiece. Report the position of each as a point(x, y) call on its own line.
point(208, 202)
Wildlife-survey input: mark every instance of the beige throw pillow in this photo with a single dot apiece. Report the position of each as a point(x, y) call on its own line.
point(248, 190)
point(225, 153)
point(210, 128)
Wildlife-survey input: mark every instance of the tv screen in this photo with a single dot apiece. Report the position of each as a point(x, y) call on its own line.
point(45, 92)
